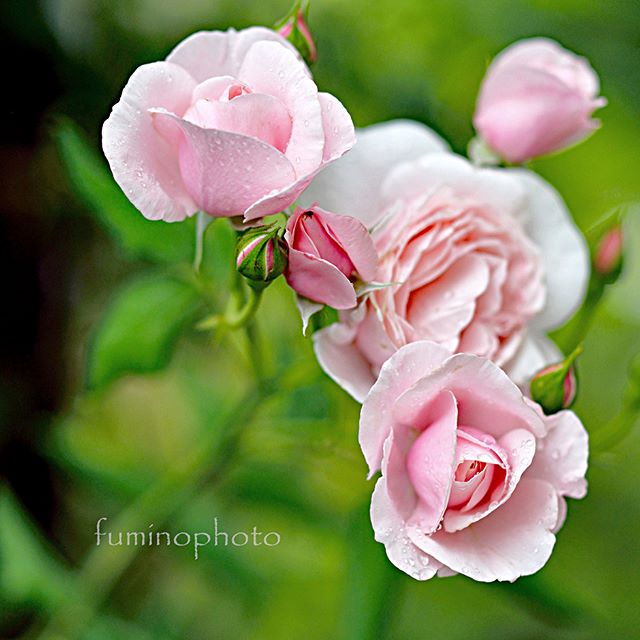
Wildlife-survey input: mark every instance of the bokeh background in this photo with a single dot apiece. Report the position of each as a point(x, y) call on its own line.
point(113, 405)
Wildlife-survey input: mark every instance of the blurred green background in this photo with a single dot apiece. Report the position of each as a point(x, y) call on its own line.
point(113, 405)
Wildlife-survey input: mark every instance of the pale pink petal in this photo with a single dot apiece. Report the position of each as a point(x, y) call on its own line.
point(431, 463)
point(519, 445)
point(515, 540)
point(372, 339)
point(534, 353)
point(319, 280)
point(225, 172)
point(342, 361)
point(472, 380)
point(212, 88)
point(390, 530)
point(307, 308)
point(278, 200)
point(207, 54)
point(399, 373)
point(444, 308)
point(355, 239)
point(563, 250)
point(352, 184)
point(563, 455)
point(496, 190)
point(339, 134)
point(253, 114)
point(273, 69)
point(143, 162)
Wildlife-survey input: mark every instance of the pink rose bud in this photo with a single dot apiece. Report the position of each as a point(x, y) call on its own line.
point(555, 387)
point(261, 255)
point(536, 98)
point(293, 27)
point(328, 253)
point(608, 255)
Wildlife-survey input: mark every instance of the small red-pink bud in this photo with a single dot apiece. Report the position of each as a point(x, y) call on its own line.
point(608, 255)
point(555, 387)
point(294, 28)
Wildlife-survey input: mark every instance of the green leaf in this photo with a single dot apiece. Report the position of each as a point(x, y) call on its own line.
point(29, 570)
point(94, 185)
point(141, 327)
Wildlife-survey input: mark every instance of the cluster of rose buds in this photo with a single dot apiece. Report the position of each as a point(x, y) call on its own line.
point(447, 276)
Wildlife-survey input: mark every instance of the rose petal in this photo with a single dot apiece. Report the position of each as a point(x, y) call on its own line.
point(253, 114)
point(339, 134)
point(319, 280)
point(431, 462)
point(472, 380)
point(515, 540)
point(519, 445)
point(352, 184)
point(143, 162)
point(399, 373)
point(390, 529)
point(535, 353)
point(342, 361)
point(207, 54)
point(563, 455)
point(442, 309)
point(287, 80)
point(225, 172)
point(563, 250)
point(355, 238)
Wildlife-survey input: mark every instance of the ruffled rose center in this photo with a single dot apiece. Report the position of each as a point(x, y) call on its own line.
point(471, 280)
point(480, 472)
point(230, 105)
point(478, 480)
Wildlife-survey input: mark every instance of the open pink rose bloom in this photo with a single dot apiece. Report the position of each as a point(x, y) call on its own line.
point(474, 476)
point(231, 124)
point(483, 261)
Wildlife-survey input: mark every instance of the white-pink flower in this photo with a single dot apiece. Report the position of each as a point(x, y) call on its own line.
point(536, 98)
point(478, 260)
point(231, 123)
point(474, 475)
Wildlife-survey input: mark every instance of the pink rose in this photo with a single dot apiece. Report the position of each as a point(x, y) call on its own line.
point(231, 124)
point(474, 475)
point(536, 98)
point(480, 260)
point(327, 253)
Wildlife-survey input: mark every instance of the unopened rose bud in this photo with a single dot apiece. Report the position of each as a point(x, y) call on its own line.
point(608, 257)
point(293, 27)
point(261, 255)
point(555, 387)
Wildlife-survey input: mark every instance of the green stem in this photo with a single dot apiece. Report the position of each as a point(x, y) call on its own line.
point(240, 311)
point(626, 419)
point(243, 316)
point(202, 222)
point(572, 334)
